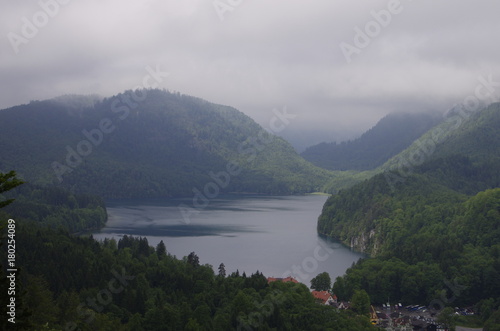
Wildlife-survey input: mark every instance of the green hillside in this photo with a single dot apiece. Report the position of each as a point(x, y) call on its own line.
point(149, 144)
point(433, 218)
point(57, 208)
point(457, 134)
point(391, 135)
point(462, 133)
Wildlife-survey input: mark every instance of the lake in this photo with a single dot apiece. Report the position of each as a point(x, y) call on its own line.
point(275, 235)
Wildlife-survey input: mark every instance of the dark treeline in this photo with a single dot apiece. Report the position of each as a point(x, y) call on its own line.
point(66, 282)
point(434, 233)
point(437, 247)
point(420, 240)
point(73, 283)
point(57, 208)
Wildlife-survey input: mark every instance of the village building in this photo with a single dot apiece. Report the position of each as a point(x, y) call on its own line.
point(325, 297)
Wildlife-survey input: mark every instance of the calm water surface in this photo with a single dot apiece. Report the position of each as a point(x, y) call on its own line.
point(274, 235)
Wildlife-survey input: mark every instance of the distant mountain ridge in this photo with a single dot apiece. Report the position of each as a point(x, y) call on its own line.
point(391, 135)
point(149, 143)
point(460, 155)
point(432, 213)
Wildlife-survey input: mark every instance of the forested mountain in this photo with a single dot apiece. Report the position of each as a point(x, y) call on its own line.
point(391, 135)
point(429, 146)
point(149, 143)
point(432, 220)
point(57, 208)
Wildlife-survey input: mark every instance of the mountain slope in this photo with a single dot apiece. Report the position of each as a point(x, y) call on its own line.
point(464, 161)
point(433, 215)
point(459, 126)
point(150, 143)
point(391, 135)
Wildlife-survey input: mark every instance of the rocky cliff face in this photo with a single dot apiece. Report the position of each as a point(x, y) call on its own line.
point(366, 242)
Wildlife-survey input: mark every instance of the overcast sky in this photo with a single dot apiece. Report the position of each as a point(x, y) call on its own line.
point(258, 55)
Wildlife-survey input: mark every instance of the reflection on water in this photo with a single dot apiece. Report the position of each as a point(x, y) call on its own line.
point(180, 230)
point(274, 235)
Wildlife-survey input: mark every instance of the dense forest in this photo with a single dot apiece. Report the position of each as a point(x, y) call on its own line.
point(151, 143)
point(57, 208)
point(434, 228)
point(76, 283)
point(391, 135)
point(459, 132)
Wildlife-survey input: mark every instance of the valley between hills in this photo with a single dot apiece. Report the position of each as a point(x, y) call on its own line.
point(418, 193)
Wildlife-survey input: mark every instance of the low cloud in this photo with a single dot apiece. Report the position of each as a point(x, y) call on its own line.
point(260, 56)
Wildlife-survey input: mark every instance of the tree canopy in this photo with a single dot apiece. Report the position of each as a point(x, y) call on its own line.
point(322, 282)
point(8, 181)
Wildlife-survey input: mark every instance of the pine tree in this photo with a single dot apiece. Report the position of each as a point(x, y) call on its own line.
point(193, 259)
point(8, 181)
point(161, 250)
point(222, 270)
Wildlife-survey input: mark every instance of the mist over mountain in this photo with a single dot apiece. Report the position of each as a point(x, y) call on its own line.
point(150, 143)
point(432, 212)
point(460, 155)
point(388, 137)
point(278, 101)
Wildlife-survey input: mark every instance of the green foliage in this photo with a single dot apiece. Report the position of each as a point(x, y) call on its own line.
point(462, 135)
point(78, 282)
point(40, 302)
point(322, 282)
point(222, 270)
point(391, 135)
point(465, 134)
point(447, 318)
point(58, 208)
point(161, 249)
point(164, 146)
point(341, 180)
point(433, 229)
point(8, 181)
point(493, 323)
point(421, 247)
point(72, 283)
point(360, 302)
point(193, 260)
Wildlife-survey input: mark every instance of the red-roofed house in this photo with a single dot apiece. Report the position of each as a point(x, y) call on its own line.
point(324, 297)
point(284, 280)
